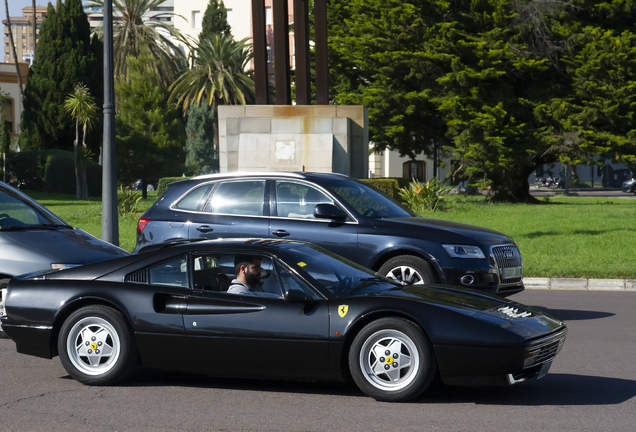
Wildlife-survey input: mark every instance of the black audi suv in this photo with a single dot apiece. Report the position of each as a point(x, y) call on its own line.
point(342, 215)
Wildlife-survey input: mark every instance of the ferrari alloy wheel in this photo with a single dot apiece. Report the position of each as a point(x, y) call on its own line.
point(409, 269)
point(391, 360)
point(96, 346)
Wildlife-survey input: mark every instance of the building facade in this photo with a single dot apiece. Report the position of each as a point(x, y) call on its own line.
point(389, 163)
point(163, 12)
point(22, 29)
point(11, 100)
point(189, 15)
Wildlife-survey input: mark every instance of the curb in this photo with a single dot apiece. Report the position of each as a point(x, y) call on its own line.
point(580, 284)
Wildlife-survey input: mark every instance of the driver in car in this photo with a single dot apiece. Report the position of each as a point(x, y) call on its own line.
point(248, 275)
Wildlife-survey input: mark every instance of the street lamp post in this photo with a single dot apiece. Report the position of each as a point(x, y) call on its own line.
point(110, 229)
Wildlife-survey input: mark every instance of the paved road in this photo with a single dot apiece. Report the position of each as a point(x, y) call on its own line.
point(591, 387)
point(602, 193)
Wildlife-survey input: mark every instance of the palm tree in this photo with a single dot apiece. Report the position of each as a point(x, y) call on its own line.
point(81, 106)
point(133, 31)
point(218, 77)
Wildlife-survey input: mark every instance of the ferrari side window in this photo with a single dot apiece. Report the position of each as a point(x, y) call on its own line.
point(170, 273)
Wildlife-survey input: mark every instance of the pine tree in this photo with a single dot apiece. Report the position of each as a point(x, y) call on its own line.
point(200, 151)
point(66, 55)
point(150, 135)
point(214, 20)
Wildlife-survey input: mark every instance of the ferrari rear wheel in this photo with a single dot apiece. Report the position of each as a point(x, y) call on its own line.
point(391, 360)
point(96, 346)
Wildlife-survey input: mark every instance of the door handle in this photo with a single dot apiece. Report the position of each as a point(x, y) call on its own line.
point(205, 228)
point(281, 233)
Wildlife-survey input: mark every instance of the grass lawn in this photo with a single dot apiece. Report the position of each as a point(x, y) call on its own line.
point(87, 215)
point(569, 237)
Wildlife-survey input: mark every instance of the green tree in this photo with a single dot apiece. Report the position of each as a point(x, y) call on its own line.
point(66, 55)
point(80, 105)
point(218, 76)
point(134, 34)
point(201, 153)
point(214, 20)
point(502, 86)
point(150, 135)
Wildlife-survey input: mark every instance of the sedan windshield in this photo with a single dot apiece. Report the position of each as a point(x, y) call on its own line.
point(18, 214)
point(367, 201)
point(337, 275)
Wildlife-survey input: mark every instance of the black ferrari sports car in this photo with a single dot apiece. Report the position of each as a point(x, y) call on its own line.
point(304, 313)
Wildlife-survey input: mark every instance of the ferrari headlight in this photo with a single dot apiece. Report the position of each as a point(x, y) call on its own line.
point(63, 266)
point(464, 251)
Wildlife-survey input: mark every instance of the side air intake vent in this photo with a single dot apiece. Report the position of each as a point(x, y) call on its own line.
point(140, 276)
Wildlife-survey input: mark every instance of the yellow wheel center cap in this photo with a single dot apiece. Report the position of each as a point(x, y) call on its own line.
point(93, 346)
point(389, 360)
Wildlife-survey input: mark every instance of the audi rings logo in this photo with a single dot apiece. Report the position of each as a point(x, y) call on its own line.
point(508, 254)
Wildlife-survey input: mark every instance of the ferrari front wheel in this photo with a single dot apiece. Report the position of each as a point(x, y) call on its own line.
point(391, 360)
point(96, 346)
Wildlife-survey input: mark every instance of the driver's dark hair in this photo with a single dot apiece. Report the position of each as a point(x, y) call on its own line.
point(243, 260)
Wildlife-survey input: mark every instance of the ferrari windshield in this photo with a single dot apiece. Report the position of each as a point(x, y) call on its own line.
point(367, 201)
point(17, 214)
point(337, 275)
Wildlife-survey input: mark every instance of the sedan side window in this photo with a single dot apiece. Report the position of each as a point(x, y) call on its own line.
point(297, 200)
point(171, 273)
point(238, 198)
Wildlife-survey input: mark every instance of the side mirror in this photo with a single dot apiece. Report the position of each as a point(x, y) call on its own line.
point(297, 296)
point(329, 211)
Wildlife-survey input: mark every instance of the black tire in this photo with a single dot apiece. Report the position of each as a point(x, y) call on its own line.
point(405, 342)
point(96, 346)
point(421, 271)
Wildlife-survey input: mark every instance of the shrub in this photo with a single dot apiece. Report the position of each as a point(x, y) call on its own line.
point(162, 185)
point(388, 185)
point(59, 174)
point(127, 201)
point(28, 169)
point(425, 196)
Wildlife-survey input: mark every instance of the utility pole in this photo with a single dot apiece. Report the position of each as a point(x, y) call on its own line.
point(110, 228)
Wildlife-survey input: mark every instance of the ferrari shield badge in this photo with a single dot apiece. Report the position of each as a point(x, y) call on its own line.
point(342, 310)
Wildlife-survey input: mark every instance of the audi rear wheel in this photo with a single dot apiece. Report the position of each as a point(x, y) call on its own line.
point(409, 269)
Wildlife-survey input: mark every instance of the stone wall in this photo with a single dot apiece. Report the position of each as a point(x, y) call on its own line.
point(316, 138)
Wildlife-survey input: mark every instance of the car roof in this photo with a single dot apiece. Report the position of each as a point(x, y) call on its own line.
point(172, 248)
point(247, 174)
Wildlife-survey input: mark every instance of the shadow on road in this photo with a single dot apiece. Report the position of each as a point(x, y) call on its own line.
point(573, 315)
point(554, 389)
point(155, 378)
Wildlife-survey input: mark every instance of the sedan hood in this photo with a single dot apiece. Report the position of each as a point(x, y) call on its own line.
point(443, 230)
point(519, 319)
point(65, 246)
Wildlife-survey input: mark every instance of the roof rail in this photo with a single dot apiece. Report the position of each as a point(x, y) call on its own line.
point(251, 174)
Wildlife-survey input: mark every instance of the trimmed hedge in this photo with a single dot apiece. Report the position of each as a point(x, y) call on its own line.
point(390, 186)
point(162, 185)
point(53, 171)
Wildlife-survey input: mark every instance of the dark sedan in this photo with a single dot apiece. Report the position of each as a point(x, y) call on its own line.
point(342, 215)
point(309, 315)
